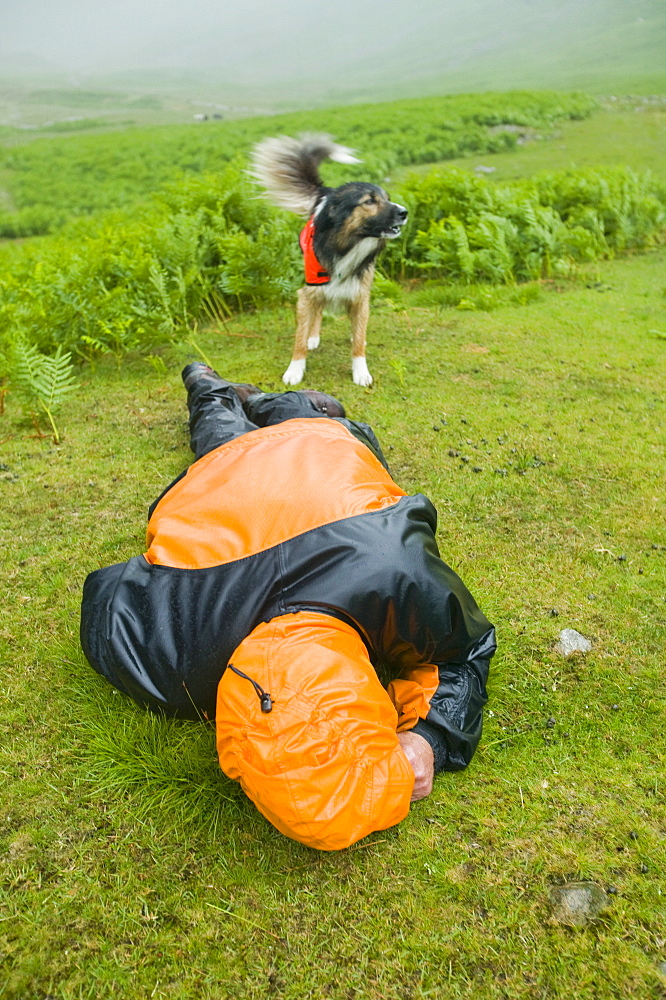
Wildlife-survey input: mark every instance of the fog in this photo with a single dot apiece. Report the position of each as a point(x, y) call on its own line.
point(258, 42)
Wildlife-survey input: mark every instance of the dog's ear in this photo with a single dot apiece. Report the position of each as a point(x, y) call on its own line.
point(333, 212)
point(342, 201)
point(339, 212)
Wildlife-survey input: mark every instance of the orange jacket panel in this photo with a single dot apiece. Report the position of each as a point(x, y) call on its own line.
point(264, 488)
point(412, 693)
point(324, 765)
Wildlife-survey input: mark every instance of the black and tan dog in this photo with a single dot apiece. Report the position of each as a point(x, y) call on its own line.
point(347, 227)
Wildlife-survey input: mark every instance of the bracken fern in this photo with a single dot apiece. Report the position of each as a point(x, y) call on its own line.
point(43, 379)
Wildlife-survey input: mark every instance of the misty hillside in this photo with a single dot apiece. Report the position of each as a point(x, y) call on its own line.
point(360, 50)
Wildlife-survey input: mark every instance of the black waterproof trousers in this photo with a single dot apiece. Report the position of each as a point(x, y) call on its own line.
point(218, 416)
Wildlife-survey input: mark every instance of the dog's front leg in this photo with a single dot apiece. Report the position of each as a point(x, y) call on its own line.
point(314, 330)
point(308, 319)
point(359, 313)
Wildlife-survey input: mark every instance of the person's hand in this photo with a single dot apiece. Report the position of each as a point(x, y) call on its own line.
point(419, 753)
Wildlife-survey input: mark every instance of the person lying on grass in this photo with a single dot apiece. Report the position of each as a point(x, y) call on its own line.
point(283, 567)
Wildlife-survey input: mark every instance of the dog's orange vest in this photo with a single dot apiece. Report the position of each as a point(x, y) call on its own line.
point(315, 274)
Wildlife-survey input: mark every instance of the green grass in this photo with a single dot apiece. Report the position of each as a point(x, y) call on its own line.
point(631, 131)
point(28, 112)
point(132, 867)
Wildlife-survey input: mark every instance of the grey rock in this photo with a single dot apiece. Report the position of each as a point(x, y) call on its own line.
point(570, 641)
point(484, 170)
point(577, 903)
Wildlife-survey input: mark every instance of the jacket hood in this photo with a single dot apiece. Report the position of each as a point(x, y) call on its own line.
point(323, 764)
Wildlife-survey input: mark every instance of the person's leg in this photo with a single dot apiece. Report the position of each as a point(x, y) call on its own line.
point(269, 408)
point(216, 410)
point(221, 411)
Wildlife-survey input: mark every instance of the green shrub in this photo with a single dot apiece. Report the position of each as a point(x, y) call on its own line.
point(86, 174)
point(207, 244)
point(34, 221)
point(620, 208)
point(463, 228)
point(127, 281)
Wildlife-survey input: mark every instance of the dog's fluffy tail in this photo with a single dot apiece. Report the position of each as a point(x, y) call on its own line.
point(289, 168)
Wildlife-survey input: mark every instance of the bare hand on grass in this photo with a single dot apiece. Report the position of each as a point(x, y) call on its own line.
point(419, 753)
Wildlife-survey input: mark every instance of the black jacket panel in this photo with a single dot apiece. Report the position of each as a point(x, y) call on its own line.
point(165, 635)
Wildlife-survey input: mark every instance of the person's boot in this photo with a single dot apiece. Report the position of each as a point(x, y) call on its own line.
point(329, 405)
point(199, 372)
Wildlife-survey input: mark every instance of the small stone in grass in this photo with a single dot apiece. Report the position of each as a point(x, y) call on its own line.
point(577, 903)
point(570, 641)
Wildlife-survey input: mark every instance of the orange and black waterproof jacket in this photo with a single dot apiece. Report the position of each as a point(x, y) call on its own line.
point(299, 518)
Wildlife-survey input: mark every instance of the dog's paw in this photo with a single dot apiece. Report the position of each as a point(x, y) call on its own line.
point(313, 343)
point(360, 373)
point(294, 373)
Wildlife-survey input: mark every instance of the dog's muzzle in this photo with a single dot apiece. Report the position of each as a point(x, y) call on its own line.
point(399, 219)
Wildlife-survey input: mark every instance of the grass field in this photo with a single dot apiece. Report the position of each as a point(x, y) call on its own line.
point(631, 131)
point(30, 110)
point(132, 868)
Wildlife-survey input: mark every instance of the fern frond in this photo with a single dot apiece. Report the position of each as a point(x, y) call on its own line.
point(46, 380)
point(27, 365)
point(58, 379)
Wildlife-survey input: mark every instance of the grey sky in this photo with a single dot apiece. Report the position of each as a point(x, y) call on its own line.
point(262, 40)
point(89, 34)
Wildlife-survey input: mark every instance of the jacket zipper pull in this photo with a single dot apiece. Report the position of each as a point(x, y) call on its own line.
point(265, 699)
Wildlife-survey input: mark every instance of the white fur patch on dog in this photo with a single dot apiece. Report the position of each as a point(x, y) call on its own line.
point(354, 258)
point(360, 373)
point(338, 294)
point(313, 343)
point(295, 372)
point(345, 286)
